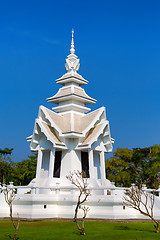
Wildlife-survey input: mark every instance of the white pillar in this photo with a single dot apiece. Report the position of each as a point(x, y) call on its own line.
point(51, 163)
point(102, 160)
point(39, 163)
point(91, 165)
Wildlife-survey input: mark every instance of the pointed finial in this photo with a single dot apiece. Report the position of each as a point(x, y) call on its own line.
point(72, 50)
point(72, 61)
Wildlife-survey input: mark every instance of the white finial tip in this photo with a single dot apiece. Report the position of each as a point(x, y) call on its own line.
point(72, 63)
point(72, 50)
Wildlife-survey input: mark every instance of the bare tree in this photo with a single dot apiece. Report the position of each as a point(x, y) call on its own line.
point(77, 179)
point(9, 194)
point(142, 201)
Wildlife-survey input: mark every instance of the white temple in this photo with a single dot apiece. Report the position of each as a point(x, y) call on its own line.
point(69, 138)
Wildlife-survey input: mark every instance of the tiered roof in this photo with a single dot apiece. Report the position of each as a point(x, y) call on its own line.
point(71, 97)
point(88, 128)
point(71, 120)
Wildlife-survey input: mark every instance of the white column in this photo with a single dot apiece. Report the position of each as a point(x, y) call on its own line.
point(51, 163)
point(39, 163)
point(91, 165)
point(102, 160)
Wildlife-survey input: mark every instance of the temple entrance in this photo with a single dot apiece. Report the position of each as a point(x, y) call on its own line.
point(45, 163)
point(57, 164)
point(85, 164)
point(97, 164)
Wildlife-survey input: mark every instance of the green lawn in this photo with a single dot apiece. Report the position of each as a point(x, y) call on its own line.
point(67, 230)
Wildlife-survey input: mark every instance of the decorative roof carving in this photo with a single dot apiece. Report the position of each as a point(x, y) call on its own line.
point(52, 134)
point(79, 123)
point(87, 127)
point(92, 134)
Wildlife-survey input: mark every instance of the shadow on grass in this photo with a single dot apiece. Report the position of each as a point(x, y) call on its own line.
point(11, 237)
point(132, 229)
point(78, 233)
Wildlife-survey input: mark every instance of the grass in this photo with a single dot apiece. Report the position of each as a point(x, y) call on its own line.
point(59, 230)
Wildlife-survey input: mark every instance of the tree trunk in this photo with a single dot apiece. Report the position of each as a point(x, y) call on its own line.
point(83, 226)
point(156, 225)
point(4, 179)
point(76, 211)
point(15, 235)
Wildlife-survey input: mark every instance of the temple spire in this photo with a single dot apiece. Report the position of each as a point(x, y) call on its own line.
point(72, 62)
point(72, 50)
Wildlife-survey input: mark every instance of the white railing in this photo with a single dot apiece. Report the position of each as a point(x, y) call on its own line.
point(57, 189)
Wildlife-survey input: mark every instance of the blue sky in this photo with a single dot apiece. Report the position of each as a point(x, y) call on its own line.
point(118, 43)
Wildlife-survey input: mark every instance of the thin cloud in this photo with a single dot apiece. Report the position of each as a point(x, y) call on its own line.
point(31, 35)
point(50, 41)
point(17, 31)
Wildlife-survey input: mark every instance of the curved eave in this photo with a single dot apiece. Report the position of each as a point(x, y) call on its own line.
point(71, 107)
point(43, 129)
point(65, 79)
point(112, 140)
point(44, 109)
point(84, 147)
point(72, 96)
point(29, 139)
point(72, 135)
point(96, 118)
point(95, 136)
point(88, 145)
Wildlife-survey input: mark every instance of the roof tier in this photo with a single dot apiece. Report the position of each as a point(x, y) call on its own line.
point(71, 97)
point(71, 92)
point(87, 128)
point(71, 77)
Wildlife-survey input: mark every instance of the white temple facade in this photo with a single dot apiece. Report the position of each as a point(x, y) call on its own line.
point(70, 137)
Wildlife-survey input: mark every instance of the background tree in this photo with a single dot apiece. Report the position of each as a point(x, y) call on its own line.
point(139, 165)
point(25, 171)
point(5, 162)
point(118, 167)
point(150, 158)
point(21, 173)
